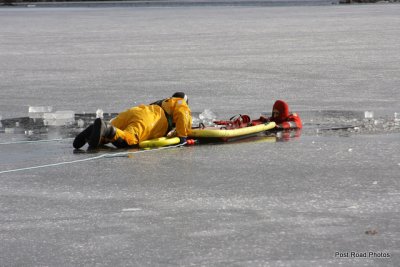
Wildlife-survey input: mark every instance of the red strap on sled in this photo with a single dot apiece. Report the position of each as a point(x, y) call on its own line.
point(235, 122)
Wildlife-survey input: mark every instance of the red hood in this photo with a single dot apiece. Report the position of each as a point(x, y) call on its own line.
point(283, 109)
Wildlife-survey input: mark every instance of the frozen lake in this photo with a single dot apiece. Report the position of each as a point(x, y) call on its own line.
point(228, 59)
point(261, 202)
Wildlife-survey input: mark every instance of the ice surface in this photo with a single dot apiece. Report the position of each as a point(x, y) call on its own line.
point(249, 203)
point(246, 60)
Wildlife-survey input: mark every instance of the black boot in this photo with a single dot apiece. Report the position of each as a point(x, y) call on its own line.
point(100, 129)
point(83, 137)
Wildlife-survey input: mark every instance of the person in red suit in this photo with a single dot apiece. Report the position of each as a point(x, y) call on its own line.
point(282, 117)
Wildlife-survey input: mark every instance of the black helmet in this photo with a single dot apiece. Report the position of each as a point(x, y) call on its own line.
point(181, 95)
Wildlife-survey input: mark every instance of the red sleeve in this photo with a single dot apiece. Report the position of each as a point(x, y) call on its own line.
point(297, 120)
point(293, 122)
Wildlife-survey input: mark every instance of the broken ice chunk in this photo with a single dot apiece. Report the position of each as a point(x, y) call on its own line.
point(99, 113)
point(38, 111)
point(368, 114)
point(59, 118)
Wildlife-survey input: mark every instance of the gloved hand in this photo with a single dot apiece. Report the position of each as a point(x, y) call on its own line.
point(264, 119)
point(171, 133)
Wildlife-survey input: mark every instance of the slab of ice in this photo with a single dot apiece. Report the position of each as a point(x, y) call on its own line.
point(369, 114)
point(9, 130)
point(59, 118)
point(38, 111)
point(80, 123)
point(12, 130)
point(207, 117)
point(99, 113)
point(29, 132)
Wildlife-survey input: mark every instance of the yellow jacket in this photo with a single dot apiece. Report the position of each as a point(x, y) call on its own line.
point(140, 123)
point(178, 110)
point(146, 122)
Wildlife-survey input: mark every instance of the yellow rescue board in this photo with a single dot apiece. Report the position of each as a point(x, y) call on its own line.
point(159, 142)
point(209, 132)
point(216, 132)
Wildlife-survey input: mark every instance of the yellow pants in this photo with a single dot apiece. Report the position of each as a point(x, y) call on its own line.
point(140, 123)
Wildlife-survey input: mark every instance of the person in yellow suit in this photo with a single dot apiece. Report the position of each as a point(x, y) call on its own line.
point(140, 123)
